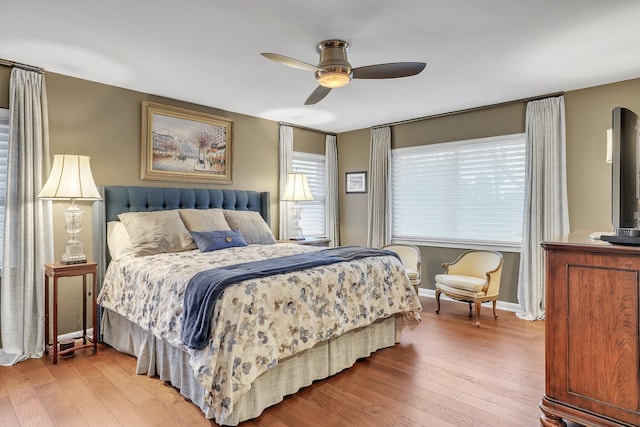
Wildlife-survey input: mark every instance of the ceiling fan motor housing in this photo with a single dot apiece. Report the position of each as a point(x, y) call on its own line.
point(334, 68)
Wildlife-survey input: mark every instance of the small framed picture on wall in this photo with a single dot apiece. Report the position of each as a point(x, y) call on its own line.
point(356, 182)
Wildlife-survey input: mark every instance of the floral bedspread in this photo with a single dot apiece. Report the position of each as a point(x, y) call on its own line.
point(257, 322)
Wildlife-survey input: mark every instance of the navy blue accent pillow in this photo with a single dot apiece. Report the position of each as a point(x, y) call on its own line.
point(208, 241)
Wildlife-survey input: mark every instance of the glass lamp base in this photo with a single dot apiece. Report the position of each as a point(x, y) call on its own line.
point(73, 253)
point(296, 231)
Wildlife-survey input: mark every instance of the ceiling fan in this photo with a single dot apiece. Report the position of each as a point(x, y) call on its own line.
point(334, 70)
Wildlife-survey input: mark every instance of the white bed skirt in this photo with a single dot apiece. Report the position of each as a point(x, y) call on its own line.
point(156, 357)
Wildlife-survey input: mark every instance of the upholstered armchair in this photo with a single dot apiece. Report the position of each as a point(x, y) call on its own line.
point(474, 278)
point(410, 257)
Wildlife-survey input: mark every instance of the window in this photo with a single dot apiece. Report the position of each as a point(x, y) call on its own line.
point(313, 214)
point(459, 194)
point(4, 153)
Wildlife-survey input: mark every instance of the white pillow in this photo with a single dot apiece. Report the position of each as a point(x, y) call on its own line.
point(156, 232)
point(118, 240)
point(252, 226)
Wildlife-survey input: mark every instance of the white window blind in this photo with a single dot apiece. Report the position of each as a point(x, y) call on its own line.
point(461, 193)
point(313, 213)
point(4, 153)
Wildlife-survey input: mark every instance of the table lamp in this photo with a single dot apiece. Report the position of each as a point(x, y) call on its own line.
point(296, 190)
point(71, 179)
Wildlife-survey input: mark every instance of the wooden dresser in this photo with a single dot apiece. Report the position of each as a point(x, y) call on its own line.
point(592, 333)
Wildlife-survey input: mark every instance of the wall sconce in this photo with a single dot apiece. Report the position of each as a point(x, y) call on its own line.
point(609, 157)
point(71, 179)
point(296, 190)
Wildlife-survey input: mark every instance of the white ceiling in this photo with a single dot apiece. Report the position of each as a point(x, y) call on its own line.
point(208, 52)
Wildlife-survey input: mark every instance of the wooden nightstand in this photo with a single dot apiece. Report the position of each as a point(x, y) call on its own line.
point(309, 241)
point(56, 271)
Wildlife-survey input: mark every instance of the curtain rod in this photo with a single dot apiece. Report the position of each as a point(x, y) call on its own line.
point(306, 128)
point(469, 110)
point(8, 63)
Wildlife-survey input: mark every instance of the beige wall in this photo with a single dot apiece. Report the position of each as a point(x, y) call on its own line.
point(353, 150)
point(588, 115)
point(353, 156)
point(104, 123)
point(5, 74)
point(308, 141)
point(499, 120)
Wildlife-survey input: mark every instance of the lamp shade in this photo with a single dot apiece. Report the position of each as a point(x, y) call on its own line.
point(297, 188)
point(70, 178)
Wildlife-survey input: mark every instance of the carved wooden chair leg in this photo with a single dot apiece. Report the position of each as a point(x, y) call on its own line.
point(438, 292)
point(495, 316)
point(478, 308)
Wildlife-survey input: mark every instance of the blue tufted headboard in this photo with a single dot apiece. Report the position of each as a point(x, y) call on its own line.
point(118, 199)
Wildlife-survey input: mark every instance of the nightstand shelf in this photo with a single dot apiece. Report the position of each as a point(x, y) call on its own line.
point(56, 271)
point(309, 241)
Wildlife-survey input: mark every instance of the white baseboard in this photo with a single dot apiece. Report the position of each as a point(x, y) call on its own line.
point(501, 305)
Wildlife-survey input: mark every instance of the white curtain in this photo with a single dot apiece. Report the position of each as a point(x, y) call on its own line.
point(378, 200)
point(28, 232)
point(331, 190)
point(546, 213)
point(286, 161)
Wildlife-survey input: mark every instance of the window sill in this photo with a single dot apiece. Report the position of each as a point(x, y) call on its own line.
point(462, 244)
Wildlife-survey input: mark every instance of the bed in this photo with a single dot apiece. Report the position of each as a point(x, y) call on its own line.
point(269, 335)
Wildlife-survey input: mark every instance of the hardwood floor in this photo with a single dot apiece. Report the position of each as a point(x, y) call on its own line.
point(446, 372)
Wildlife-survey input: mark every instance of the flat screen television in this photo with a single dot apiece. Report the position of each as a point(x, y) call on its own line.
point(625, 178)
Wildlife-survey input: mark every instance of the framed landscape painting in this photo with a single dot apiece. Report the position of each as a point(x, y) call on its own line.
point(181, 145)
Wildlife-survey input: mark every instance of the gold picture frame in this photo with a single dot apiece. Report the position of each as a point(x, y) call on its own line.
point(182, 145)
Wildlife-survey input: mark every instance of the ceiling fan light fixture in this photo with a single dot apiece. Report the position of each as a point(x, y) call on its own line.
point(332, 79)
point(334, 69)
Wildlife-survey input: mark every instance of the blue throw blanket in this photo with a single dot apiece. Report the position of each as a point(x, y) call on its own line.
point(204, 288)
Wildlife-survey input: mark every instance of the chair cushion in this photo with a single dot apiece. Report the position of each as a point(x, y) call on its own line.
point(465, 283)
point(413, 274)
point(448, 290)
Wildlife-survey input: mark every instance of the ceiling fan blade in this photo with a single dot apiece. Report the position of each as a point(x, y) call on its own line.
point(317, 95)
point(388, 71)
point(289, 61)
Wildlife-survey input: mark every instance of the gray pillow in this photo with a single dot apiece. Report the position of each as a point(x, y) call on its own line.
point(204, 219)
point(156, 232)
point(253, 228)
